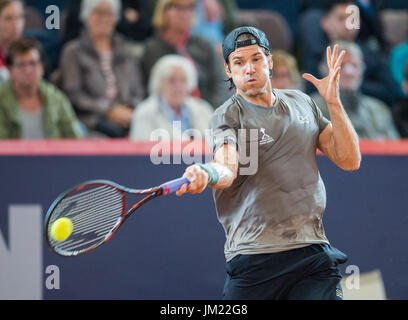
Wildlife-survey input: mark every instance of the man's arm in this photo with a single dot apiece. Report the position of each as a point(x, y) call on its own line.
point(339, 140)
point(225, 164)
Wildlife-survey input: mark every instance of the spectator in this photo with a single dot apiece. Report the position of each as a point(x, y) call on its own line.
point(31, 108)
point(171, 83)
point(208, 22)
point(134, 23)
point(173, 22)
point(99, 73)
point(377, 80)
point(370, 22)
point(11, 29)
point(37, 18)
point(398, 57)
point(212, 17)
point(400, 111)
point(285, 73)
point(14, 24)
point(370, 117)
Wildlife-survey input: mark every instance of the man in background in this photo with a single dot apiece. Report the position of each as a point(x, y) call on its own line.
point(31, 108)
point(335, 23)
point(371, 118)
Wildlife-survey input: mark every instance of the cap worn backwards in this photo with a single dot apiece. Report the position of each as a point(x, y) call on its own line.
point(230, 42)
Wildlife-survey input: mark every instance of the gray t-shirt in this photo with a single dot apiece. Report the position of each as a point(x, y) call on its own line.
point(279, 206)
point(32, 124)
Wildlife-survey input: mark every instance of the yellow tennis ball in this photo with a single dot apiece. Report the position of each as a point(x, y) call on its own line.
point(61, 229)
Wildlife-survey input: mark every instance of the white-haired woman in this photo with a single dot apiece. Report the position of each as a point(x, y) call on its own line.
point(170, 112)
point(98, 72)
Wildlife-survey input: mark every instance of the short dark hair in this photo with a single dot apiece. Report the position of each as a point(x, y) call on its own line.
point(330, 5)
point(23, 46)
point(5, 3)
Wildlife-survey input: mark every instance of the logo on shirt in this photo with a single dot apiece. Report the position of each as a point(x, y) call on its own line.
point(265, 137)
point(303, 119)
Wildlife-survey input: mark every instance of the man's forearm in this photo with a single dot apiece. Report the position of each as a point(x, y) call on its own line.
point(225, 176)
point(223, 170)
point(226, 162)
point(345, 139)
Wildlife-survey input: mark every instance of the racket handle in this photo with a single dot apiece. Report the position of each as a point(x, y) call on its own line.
point(173, 185)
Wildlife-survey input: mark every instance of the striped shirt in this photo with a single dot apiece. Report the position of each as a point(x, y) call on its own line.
point(111, 86)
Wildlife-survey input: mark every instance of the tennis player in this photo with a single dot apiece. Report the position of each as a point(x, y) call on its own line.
point(276, 246)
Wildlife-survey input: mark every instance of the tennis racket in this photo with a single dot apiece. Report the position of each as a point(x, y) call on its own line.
point(96, 209)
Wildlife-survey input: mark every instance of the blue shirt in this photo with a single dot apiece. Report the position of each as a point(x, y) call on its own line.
point(211, 30)
point(183, 117)
point(398, 59)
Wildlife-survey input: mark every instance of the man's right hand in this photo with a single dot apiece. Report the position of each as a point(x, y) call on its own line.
point(226, 164)
point(198, 180)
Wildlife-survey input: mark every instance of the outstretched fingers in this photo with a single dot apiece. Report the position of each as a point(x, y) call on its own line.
point(328, 56)
point(339, 60)
point(310, 78)
point(336, 74)
point(335, 55)
point(333, 58)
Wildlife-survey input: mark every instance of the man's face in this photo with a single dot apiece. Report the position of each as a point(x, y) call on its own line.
point(27, 69)
point(335, 24)
point(351, 73)
point(180, 15)
point(249, 69)
point(11, 22)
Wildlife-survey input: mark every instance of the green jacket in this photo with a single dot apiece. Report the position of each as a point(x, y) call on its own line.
point(59, 118)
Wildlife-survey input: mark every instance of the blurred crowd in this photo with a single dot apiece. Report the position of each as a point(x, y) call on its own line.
point(135, 69)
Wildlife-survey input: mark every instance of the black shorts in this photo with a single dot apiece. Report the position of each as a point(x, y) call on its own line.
point(308, 273)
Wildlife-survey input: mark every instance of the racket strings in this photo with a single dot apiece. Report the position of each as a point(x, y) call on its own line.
point(94, 211)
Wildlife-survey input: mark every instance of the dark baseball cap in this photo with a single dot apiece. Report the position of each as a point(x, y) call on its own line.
point(230, 42)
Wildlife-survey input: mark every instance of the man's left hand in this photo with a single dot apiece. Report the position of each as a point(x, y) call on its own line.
point(328, 87)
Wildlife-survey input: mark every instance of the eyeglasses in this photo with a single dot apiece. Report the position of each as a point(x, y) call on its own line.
point(23, 65)
point(180, 7)
point(103, 14)
point(11, 18)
